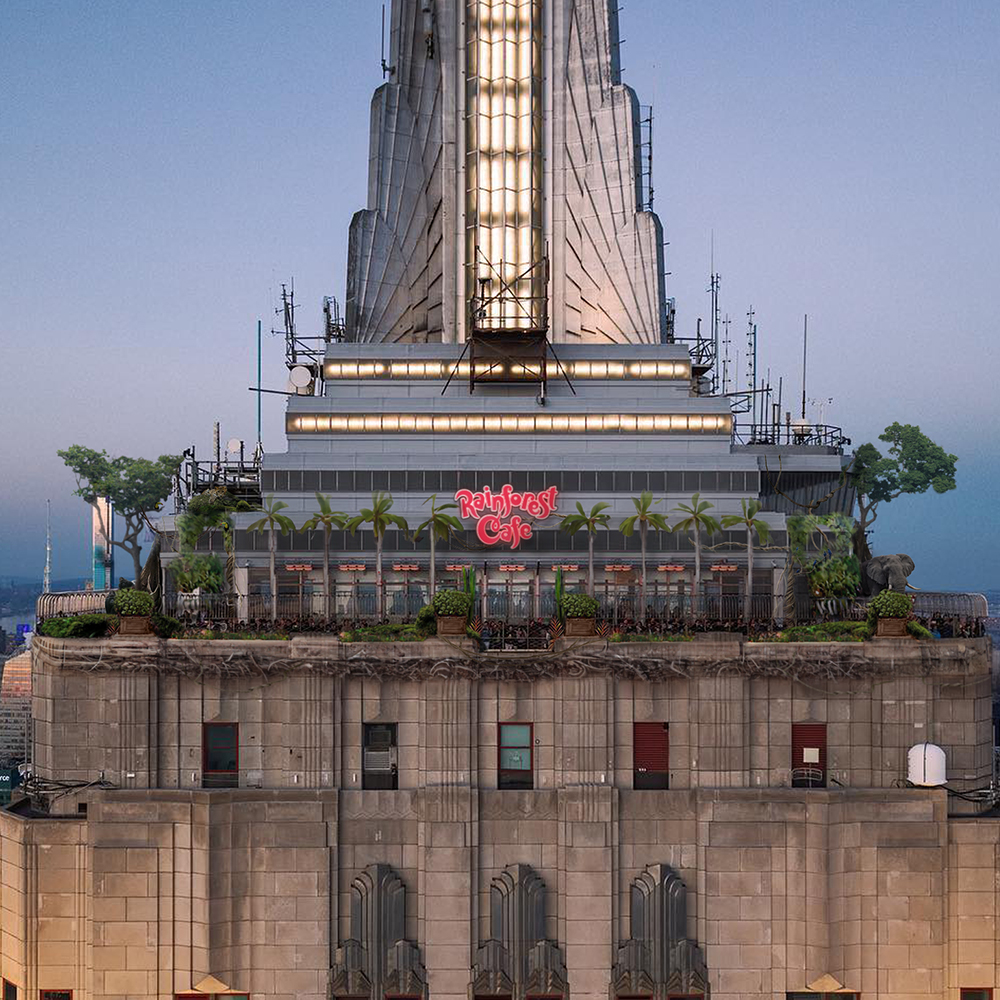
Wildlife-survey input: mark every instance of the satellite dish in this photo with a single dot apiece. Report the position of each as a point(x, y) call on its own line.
point(233, 445)
point(300, 377)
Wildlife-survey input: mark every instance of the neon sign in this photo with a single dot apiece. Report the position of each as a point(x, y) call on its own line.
point(496, 521)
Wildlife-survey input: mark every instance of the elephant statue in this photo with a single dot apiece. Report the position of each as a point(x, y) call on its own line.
point(885, 573)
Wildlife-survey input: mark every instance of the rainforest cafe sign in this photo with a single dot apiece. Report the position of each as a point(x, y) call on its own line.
point(496, 520)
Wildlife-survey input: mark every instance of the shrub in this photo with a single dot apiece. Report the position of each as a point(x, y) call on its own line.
point(452, 603)
point(91, 626)
point(890, 604)
point(579, 606)
point(383, 633)
point(918, 631)
point(426, 620)
point(197, 572)
point(133, 602)
point(165, 627)
point(826, 632)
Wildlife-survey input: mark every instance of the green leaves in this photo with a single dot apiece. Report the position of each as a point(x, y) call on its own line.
point(573, 522)
point(644, 516)
point(695, 518)
point(273, 518)
point(377, 516)
point(325, 518)
point(748, 520)
point(441, 525)
point(134, 485)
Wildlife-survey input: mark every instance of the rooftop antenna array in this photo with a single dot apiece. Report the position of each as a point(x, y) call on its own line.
point(716, 281)
point(725, 354)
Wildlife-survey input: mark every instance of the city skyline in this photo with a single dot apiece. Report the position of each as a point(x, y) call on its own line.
point(841, 180)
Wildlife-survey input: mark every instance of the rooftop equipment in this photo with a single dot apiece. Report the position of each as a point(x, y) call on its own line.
point(925, 765)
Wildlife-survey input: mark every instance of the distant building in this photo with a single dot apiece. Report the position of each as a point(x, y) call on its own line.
point(15, 710)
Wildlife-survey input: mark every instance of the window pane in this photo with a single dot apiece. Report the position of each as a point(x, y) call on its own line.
point(56, 995)
point(984, 994)
point(515, 759)
point(515, 735)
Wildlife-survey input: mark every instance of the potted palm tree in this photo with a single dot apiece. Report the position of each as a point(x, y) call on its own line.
point(580, 611)
point(380, 519)
point(888, 614)
point(438, 525)
point(272, 521)
point(452, 609)
point(696, 521)
point(327, 519)
point(749, 520)
point(644, 518)
point(571, 523)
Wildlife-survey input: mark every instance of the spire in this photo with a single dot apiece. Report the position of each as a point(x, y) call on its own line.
point(47, 577)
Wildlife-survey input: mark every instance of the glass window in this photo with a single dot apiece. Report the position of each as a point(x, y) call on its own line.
point(623, 482)
point(605, 482)
point(432, 481)
point(515, 764)
point(362, 482)
point(983, 993)
point(328, 481)
point(310, 481)
point(519, 481)
point(380, 480)
point(220, 742)
point(9, 991)
point(55, 995)
point(657, 482)
point(675, 482)
point(397, 481)
point(568, 482)
point(588, 482)
point(345, 481)
point(650, 755)
point(690, 482)
point(379, 755)
point(537, 481)
point(295, 481)
point(414, 481)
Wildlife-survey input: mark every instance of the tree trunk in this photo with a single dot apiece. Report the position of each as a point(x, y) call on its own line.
point(697, 570)
point(433, 572)
point(274, 576)
point(643, 528)
point(326, 569)
point(748, 600)
point(379, 595)
point(590, 563)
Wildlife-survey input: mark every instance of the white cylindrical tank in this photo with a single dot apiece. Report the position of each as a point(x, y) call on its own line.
point(925, 765)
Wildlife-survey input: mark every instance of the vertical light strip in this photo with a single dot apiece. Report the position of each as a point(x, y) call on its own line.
point(504, 230)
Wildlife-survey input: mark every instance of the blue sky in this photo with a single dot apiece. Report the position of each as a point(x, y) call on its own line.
point(167, 166)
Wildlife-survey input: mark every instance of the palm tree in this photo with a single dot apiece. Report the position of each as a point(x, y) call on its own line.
point(749, 520)
point(379, 518)
point(273, 519)
point(572, 523)
point(696, 521)
point(645, 518)
point(326, 519)
point(439, 526)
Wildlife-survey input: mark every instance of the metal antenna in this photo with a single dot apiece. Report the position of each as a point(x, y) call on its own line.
point(752, 360)
point(725, 356)
point(714, 289)
point(47, 575)
point(805, 340)
point(387, 70)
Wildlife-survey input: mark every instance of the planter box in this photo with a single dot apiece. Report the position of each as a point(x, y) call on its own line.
point(891, 628)
point(134, 625)
point(578, 627)
point(451, 624)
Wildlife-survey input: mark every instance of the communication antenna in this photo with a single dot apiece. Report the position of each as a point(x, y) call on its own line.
point(714, 289)
point(805, 340)
point(752, 359)
point(47, 575)
point(725, 355)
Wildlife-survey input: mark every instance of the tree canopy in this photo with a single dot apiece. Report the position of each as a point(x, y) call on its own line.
point(914, 464)
point(135, 486)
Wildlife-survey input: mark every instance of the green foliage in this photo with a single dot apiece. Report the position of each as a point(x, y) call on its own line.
point(648, 637)
point(273, 518)
point(644, 516)
point(165, 627)
point(426, 620)
point(825, 632)
point(749, 520)
point(439, 525)
point(198, 572)
point(377, 516)
point(578, 606)
point(452, 603)
point(132, 603)
point(581, 520)
point(326, 517)
point(888, 604)
point(384, 633)
point(90, 626)
point(217, 500)
point(834, 570)
point(695, 519)
point(469, 585)
point(918, 631)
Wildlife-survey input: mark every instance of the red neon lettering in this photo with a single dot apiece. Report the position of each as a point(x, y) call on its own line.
point(491, 529)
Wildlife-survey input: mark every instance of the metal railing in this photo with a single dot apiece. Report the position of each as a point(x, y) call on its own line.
point(813, 435)
point(71, 602)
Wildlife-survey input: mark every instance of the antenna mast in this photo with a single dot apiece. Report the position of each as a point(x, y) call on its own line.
point(714, 289)
point(805, 339)
point(752, 366)
point(47, 576)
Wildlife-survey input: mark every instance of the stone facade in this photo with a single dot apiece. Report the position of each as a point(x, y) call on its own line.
point(291, 884)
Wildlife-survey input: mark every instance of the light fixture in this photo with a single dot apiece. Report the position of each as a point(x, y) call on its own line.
point(671, 568)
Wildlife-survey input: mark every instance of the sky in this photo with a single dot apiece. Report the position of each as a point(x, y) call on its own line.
point(166, 166)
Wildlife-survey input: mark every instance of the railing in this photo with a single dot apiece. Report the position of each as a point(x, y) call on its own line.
point(71, 602)
point(926, 604)
point(815, 435)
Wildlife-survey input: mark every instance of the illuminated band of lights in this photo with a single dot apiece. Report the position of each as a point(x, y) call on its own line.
point(533, 423)
point(680, 370)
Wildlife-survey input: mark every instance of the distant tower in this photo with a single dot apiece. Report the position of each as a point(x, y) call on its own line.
point(504, 140)
point(47, 575)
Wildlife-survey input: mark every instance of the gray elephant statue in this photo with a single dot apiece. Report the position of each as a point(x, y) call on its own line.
point(886, 573)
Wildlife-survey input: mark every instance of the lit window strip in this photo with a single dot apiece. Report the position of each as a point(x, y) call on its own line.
point(610, 370)
point(529, 423)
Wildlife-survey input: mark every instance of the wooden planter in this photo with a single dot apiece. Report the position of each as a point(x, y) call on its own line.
point(451, 624)
point(578, 627)
point(891, 628)
point(134, 625)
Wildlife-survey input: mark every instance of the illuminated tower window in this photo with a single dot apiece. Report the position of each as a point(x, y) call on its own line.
point(504, 252)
